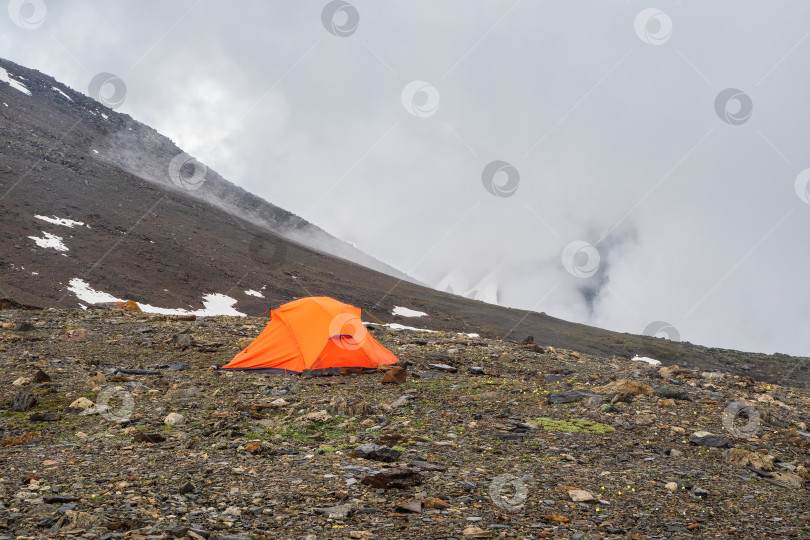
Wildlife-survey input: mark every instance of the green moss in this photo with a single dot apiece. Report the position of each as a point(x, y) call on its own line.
point(575, 425)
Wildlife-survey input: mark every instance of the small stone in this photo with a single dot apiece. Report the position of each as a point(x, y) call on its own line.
point(82, 403)
point(340, 511)
point(744, 458)
point(376, 452)
point(253, 447)
point(362, 535)
point(41, 377)
point(667, 372)
point(232, 511)
point(23, 401)
point(788, 480)
point(709, 440)
point(174, 419)
point(394, 478)
point(580, 495)
point(671, 486)
point(435, 503)
point(22, 381)
point(666, 403)
point(593, 402)
point(153, 438)
point(443, 367)
point(624, 386)
point(475, 532)
point(412, 507)
point(475, 370)
point(673, 392)
point(569, 396)
point(395, 375)
point(188, 487)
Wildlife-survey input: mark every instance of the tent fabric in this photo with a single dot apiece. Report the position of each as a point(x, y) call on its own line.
point(312, 333)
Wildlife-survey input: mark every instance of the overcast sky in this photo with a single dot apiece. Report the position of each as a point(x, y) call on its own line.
point(633, 186)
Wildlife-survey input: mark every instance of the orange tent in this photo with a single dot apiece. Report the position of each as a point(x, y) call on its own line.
point(312, 333)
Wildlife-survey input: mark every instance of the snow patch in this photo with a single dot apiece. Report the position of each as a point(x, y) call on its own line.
point(104, 116)
point(397, 326)
point(215, 304)
point(405, 312)
point(95, 151)
point(64, 94)
point(50, 241)
point(17, 85)
point(64, 222)
point(257, 294)
point(646, 360)
point(468, 335)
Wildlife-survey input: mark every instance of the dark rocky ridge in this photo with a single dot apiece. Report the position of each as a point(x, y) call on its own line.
point(156, 244)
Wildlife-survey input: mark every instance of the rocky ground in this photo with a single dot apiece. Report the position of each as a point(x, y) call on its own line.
point(117, 424)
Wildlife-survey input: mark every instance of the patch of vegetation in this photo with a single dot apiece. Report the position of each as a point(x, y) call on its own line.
point(575, 425)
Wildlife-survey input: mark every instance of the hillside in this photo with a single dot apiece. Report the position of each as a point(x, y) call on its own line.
point(146, 235)
point(114, 425)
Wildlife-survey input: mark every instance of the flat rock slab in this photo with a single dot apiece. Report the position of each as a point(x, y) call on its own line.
point(394, 478)
point(443, 367)
point(569, 396)
point(709, 440)
point(340, 511)
point(377, 452)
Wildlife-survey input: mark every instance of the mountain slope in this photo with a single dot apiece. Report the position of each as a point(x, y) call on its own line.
point(159, 238)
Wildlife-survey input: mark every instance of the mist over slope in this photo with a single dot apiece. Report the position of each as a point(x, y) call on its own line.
point(72, 212)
